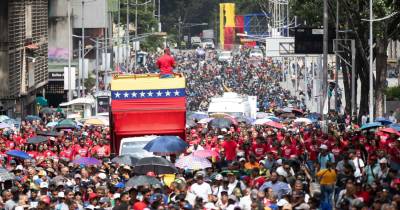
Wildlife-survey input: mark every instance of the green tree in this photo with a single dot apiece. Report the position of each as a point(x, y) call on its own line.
point(352, 13)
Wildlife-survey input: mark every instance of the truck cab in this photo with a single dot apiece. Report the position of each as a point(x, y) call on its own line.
point(145, 104)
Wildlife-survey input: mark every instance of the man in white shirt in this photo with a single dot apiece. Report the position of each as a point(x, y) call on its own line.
point(200, 188)
point(358, 165)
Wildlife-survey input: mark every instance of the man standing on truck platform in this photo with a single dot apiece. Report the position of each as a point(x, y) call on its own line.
point(166, 64)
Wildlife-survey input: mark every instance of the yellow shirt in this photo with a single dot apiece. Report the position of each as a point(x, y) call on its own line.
point(327, 177)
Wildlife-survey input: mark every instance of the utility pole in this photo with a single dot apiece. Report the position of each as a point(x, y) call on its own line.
point(69, 51)
point(337, 58)
point(97, 70)
point(179, 32)
point(79, 75)
point(325, 58)
point(119, 22)
point(105, 39)
point(371, 57)
point(83, 48)
point(136, 30)
point(159, 16)
point(127, 37)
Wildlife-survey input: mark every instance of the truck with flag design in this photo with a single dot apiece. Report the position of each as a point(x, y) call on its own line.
point(145, 104)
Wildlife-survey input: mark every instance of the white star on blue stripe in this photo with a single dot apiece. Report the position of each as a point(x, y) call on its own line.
point(150, 94)
point(117, 94)
point(134, 94)
point(142, 94)
point(159, 93)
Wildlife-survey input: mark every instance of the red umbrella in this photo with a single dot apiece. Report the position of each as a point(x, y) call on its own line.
point(391, 131)
point(205, 153)
point(274, 124)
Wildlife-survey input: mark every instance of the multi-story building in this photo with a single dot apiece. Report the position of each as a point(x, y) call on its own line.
point(23, 54)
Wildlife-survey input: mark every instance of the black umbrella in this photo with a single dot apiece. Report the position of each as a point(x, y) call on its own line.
point(221, 123)
point(142, 180)
point(37, 139)
point(126, 160)
point(48, 133)
point(157, 165)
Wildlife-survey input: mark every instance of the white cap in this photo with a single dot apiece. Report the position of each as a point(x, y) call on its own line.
point(44, 185)
point(61, 195)
point(383, 160)
point(52, 138)
point(220, 137)
point(282, 202)
point(19, 167)
point(102, 175)
point(210, 206)
point(242, 159)
point(279, 162)
point(218, 177)
point(323, 146)
point(224, 130)
point(116, 195)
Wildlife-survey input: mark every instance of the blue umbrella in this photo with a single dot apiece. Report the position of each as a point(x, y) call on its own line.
point(198, 116)
point(18, 154)
point(395, 126)
point(31, 118)
point(3, 118)
point(51, 124)
point(87, 161)
point(166, 145)
point(371, 125)
point(383, 120)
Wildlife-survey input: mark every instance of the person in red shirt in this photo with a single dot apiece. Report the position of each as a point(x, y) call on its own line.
point(67, 151)
point(166, 64)
point(101, 150)
point(259, 149)
point(230, 148)
point(81, 150)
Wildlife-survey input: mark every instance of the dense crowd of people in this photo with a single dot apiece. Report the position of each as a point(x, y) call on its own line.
point(290, 166)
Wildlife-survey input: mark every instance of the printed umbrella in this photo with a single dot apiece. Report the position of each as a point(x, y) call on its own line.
point(274, 124)
point(205, 153)
point(142, 180)
point(193, 162)
point(5, 175)
point(273, 118)
point(383, 121)
point(18, 154)
point(87, 161)
point(125, 159)
point(157, 165)
point(166, 145)
point(37, 139)
point(4, 125)
point(367, 126)
point(261, 121)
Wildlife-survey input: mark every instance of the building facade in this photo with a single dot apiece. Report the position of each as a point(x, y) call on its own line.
point(23, 54)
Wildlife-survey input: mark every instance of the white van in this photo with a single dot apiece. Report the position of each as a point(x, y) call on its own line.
point(234, 104)
point(134, 146)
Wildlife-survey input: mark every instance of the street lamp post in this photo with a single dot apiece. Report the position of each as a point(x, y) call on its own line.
point(371, 75)
point(83, 49)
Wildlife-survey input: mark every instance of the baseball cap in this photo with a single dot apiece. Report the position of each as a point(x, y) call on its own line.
point(44, 185)
point(323, 146)
point(19, 167)
point(104, 200)
point(242, 159)
point(200, 174)
point(218, 177)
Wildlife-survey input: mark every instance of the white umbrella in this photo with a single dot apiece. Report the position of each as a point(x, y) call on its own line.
point(303, 120)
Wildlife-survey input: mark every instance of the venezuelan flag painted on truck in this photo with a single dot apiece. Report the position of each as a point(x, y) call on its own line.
point(147, 105)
